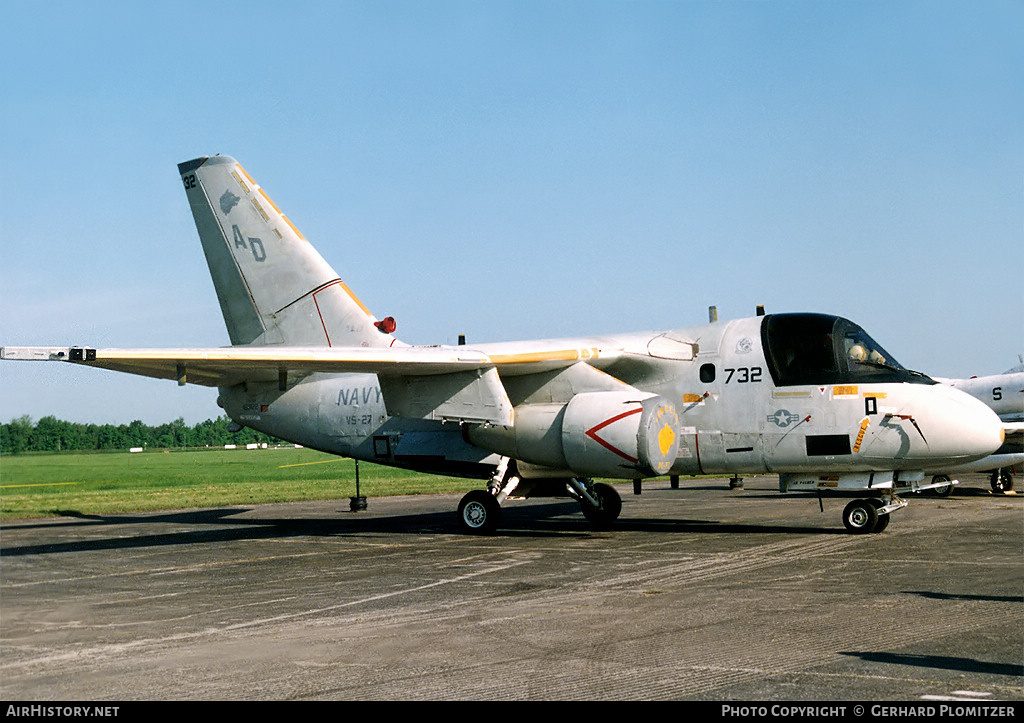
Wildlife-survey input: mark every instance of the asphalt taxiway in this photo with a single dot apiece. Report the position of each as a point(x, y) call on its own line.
point(700, 593)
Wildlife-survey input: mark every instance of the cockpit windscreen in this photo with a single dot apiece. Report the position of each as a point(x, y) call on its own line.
point(824, 349)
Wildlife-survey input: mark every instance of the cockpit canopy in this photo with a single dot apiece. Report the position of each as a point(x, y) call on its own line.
point(823, 349)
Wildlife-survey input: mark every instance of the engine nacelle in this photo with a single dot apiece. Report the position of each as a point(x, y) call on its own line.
point(597, 434)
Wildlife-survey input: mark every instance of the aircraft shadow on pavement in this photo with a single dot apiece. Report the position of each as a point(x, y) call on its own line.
point(942, 662)
point(554, 520)
point(981, 598)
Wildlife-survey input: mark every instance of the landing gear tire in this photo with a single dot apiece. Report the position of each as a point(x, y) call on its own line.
point(1001, 481)
point(736, 483)
point(942, 491)
point(608, 508)
point(479, 512)
point(861, 517)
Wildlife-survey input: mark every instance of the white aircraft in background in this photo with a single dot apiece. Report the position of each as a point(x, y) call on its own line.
point(1004, 394)
point(810, 397)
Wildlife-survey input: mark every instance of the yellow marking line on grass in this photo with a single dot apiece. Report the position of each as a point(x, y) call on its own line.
point(303, 464)
point(39, 484)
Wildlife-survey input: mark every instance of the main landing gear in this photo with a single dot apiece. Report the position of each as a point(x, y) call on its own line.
point(600, 502)
point(480, 510)
point(870, 515)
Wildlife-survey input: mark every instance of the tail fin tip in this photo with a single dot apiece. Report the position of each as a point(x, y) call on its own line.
point(272, 284)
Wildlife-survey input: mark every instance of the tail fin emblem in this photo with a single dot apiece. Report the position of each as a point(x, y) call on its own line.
point(228, 201)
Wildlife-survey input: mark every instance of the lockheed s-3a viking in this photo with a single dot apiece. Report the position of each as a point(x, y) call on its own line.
point(809, 397)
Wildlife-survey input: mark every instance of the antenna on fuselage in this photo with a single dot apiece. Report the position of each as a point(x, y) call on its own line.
point(712, 314)
point(760, 309)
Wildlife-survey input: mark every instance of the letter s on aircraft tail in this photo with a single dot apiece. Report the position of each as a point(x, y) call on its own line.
point(272, 285)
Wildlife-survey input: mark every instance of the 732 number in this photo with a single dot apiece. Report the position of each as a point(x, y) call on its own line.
point(743, 375)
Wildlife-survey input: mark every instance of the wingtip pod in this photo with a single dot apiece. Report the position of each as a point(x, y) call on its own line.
point(48, 353)
point(273, 286)
point(33, 353)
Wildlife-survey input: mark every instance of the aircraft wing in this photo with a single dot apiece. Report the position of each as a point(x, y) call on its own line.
point(461, 378)
point(226, 366)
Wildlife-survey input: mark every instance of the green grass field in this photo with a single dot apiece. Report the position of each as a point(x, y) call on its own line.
point(34, 485)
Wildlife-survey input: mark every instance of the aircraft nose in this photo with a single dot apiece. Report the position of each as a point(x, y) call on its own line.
point(966, 430)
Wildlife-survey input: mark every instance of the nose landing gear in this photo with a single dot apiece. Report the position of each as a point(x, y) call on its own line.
point(870, 515)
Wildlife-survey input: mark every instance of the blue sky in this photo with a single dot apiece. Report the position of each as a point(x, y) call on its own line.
point(513, 170)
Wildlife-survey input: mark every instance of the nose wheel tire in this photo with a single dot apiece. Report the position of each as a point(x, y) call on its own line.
point(479, 512)
point(942, 491)
point(861, 517)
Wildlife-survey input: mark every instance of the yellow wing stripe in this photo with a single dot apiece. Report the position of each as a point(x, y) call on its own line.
point(542, 356)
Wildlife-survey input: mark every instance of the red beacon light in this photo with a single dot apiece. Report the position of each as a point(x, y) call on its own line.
point(387, 325)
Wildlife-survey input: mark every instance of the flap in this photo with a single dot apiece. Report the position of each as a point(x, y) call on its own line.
point(476, 396)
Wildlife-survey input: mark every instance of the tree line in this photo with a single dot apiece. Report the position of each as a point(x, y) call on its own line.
point(50, 434)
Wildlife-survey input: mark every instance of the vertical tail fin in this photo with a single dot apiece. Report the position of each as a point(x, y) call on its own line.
point(273, 286)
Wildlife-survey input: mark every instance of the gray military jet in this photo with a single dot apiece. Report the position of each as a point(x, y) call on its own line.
point(1004, 394)
point(810, 397)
